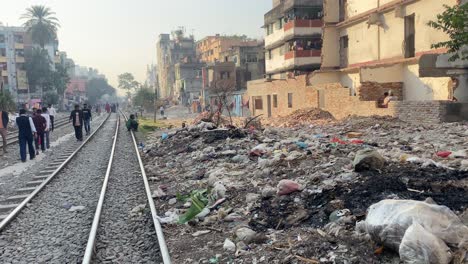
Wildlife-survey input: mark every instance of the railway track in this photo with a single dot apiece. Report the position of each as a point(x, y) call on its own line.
point(10, 207)
point(12, 136)
point(117, 193)
point(118, 232)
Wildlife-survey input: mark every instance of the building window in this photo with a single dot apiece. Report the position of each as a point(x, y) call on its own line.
point(279, 24)
point(2, 38)
point(290, 100)
point(410, 31)
point(344, 42)
point(270, 55)
point(275, 101)
point(258, 102)
point(3, 52)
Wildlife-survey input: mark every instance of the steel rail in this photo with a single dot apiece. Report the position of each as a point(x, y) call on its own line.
point(12, 139)
point(97, 216)
point(157, 225)
point(23, 204)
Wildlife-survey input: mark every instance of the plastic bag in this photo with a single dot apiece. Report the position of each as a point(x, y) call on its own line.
point(388, 220)
point(419, 246)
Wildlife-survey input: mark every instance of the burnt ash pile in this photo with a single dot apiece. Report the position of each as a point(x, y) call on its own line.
point(244, 170)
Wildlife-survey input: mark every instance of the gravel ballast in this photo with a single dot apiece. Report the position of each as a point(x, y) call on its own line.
point(15, 176)
point(126, 233)
point(48, 230)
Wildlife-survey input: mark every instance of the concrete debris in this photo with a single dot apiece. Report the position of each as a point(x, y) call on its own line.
point(245, 234)
point(284, 192)
point(229, 245)
point(368, 159)
point(76, 208)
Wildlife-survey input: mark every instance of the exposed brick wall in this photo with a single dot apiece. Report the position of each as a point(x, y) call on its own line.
point(373, 91)
point(341, 105)
point(337, 100)
point(431, 112)
point(303, 96)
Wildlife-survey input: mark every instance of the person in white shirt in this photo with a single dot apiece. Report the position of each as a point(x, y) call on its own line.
point(46, 115)
point(52, 113)
point(26, 134)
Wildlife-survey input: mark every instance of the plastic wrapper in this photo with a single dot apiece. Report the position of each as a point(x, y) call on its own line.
point(388, 220)
point(419, 246)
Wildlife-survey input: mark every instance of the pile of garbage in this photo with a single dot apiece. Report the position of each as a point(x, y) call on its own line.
point(301, 117)
point(358, 191)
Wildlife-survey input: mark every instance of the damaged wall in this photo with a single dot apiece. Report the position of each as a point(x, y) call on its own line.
point(373, 91)
point(422, 89)
point(303, 96)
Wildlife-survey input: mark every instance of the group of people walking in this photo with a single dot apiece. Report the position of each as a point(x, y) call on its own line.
point(81, 118)
point(33, 130)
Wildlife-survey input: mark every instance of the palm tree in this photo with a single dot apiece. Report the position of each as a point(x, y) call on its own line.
point(42, 24)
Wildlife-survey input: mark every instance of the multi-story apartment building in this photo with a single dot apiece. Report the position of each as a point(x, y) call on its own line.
point(293, 40)
point(210, 48)
point(371, 47)
point(370, 41)
point(15, 47)
point(170, 51)
point(249, 62)
point(14, 43)
point(188, 81)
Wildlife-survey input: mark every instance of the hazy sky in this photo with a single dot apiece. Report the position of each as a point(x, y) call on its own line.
point(117, 36)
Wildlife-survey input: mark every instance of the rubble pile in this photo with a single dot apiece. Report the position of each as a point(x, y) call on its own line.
point(301, 117)
point(295, 195)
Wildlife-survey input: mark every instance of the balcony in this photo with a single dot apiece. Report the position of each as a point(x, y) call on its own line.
point(19, 46)
point(293, 29)
point(3, 58)
point(303, 23)
point(19, 59)
point(302, 58)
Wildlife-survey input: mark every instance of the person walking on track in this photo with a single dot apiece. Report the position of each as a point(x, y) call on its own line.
point(26, 134)
point(4, 119)
point(52, 113)
point(76, 117)
point(40, 123)
point(87, 117)
point(45, 114)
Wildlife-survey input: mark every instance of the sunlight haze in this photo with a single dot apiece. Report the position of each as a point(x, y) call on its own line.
point(116, 36)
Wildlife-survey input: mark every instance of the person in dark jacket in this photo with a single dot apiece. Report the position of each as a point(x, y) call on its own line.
point(4, 119)
point(76, 117)
point(26, 134)
point(132, 124)
point(40, 123)
point(87, 118)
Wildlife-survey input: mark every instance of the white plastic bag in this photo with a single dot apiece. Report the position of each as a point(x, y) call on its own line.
point(388, 220)
point(419, 246)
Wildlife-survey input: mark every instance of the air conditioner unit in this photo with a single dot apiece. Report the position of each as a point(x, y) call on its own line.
point(374, 19)
point(399, 11)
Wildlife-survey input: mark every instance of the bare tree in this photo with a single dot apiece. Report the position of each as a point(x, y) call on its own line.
point(224, 89)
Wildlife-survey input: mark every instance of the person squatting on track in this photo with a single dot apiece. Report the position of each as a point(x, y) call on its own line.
point(132, 124)
point(40, 123)
point(87, 118)
point(45, 114)
point(52, 113)
point(76, 117)
point(26, 134)
point(4, 119)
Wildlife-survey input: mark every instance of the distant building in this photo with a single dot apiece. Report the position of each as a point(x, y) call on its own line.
point(293, 41)
point(170, 51)
point(76, 91)
point(14, 43)
point(249, 62)
point(152, 76)
point(210, 48)
point(188, 81)
point(15, 49)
